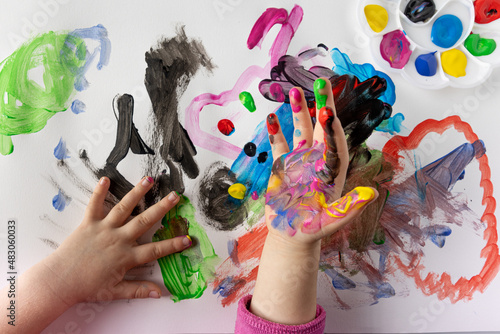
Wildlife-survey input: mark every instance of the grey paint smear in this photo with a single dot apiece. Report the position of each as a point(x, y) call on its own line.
point(170, 67)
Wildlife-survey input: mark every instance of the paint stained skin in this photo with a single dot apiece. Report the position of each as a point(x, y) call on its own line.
point(329, 170)
point(186, 274)
point(272, 124)
point(64, 59)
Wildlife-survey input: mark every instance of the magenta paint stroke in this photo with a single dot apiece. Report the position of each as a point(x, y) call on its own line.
point(272, 16)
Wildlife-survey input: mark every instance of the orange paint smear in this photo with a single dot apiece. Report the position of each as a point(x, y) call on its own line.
point(249, 248)
point(433, 283)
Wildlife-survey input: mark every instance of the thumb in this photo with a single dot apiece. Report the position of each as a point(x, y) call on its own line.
point(346, 208)
point(136, 289)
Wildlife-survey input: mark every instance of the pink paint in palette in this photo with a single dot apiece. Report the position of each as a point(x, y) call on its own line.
point(432, 43)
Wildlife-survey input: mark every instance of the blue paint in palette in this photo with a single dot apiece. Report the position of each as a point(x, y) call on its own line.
point(446, 31)
point(426, 64)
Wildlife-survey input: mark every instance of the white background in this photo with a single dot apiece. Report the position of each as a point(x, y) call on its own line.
point(135, 26)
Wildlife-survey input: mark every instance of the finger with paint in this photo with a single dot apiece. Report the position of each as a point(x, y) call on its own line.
point(302, 123)
point(276, 137)
point(331, 132)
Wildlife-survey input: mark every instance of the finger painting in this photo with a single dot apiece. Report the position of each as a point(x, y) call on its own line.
point(209, 139)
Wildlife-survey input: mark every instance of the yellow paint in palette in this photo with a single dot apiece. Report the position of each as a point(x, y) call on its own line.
point(237, 190)
point(377, 17)
point(454, 63)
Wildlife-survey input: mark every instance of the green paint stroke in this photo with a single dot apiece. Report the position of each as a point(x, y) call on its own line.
point(39, 79)
point(320, 98)
point(247, 100)
point(478, 46)
point(186, 274)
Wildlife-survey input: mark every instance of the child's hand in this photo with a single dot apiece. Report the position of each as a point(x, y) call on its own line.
point(91, 263)
point(306, 184)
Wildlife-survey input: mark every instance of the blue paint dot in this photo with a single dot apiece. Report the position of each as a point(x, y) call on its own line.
point(60, 151)
point(391, 125)
point(446, 31)
point(60, 201)
point(426, 64)
point(297, 133)
point(78, 107)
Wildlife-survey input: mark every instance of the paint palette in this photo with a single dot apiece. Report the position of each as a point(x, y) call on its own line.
point(434, 43)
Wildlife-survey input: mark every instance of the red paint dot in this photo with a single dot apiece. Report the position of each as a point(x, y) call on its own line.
point(226, 127)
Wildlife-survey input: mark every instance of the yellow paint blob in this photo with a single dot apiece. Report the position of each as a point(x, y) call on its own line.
point(237, 190)
point(354, 200)
point(377, 17)
point(454, 62)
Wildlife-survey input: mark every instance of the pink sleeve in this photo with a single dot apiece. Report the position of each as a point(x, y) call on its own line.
point(249, 323)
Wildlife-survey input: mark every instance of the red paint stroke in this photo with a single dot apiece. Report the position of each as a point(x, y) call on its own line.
point(226, 127)
point(486, 11)
point(433, 283)
point(279, 48)
point(248, 248)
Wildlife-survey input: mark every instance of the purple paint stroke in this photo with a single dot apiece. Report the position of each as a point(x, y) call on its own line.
point(278, 49)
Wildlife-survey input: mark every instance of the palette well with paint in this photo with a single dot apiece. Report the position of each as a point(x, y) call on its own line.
point(434, 44)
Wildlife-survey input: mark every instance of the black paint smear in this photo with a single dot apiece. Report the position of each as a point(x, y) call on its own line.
point(225, 213)
point(171, 66)
point(250, 149)
point(262, 157)
point(127, 137)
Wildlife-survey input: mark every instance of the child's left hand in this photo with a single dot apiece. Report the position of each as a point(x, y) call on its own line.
point(91, 263)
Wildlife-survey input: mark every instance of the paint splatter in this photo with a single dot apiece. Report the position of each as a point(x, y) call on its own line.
point(262, 157)
point(250, 149)
point(392, 125)
point(247, 100)
point(237, 191)
point(60, 201)
point(60, 151)
point(186, 274)
point(63, 59)
point(224, 212)
point(77, 107)
point(226, 127)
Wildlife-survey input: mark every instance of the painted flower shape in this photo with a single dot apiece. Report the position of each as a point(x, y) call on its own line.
point(434, 45)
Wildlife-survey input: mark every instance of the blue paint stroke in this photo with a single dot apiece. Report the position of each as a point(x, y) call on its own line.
point(297, 133)
point(77, 107)
point(446, 171)
point(228, 286)
point(97, 33)
point(437, 234)
point(392, 125)
point(344, 65)
point(385, 290)
point(60, 201)
point(60, 151)
point(339, 281)
point(248, 170)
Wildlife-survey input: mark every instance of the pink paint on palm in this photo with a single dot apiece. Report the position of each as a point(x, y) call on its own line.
point(289, 24)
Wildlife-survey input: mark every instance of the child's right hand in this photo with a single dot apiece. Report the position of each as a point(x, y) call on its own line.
point(302, 201)
point(91, 263)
